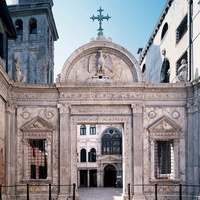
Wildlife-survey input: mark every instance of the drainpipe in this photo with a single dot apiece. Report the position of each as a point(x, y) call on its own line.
point(190, 40)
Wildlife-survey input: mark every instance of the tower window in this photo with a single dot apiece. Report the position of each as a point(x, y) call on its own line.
point(33, 26)
point(19, 26)
point(3, 46)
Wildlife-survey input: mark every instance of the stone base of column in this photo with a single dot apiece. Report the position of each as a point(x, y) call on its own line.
point(135, 196)
point(139, 197)
point(66, 197)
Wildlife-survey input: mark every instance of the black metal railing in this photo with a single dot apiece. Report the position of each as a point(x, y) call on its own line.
point(49, 191)
point(167, 190)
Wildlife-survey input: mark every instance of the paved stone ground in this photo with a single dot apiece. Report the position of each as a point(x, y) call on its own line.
point(100, 193)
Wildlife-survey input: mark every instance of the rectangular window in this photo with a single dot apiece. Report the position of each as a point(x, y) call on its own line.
point(37, 159)
point(163, 159)
point(182, 29)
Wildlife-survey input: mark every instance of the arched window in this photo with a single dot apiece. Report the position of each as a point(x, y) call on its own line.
point(19, 26)
point(93, 129)
point(111, 141)
point(164, 30)
point(33, 26)
point(83, 155)
point(83, 130)
point(165, 72)
point(92, 155)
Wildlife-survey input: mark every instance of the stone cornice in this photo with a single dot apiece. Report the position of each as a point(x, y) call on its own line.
point(110, 93)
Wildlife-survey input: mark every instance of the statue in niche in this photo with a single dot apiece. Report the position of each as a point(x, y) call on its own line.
point(18, 73)
point(100, 62)
point(182, 71)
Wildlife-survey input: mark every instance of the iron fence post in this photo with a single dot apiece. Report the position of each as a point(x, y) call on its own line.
point(27, 190)
point(129, 191)
point(180, 191)
point(49, 191)
point(74, 188)
point(156, 191)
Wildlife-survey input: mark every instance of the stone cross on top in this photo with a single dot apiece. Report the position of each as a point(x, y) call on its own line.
point(100, 18)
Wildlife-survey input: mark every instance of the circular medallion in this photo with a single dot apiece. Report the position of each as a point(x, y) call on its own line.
point(152, 114)
point(25, 115)
point(48, 114)
point(175, 114)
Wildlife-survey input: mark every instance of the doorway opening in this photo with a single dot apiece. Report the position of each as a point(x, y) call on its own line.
point(93, 178)
point(109, 176)
point(83, 178)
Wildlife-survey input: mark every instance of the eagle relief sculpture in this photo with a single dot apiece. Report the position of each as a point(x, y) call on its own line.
point(100, 62)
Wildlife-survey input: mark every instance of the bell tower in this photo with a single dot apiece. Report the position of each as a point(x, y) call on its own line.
point(31, 55)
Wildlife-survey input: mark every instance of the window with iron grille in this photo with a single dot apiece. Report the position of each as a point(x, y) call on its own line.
point(37, 159)
point(182, 29)
point(163, 159)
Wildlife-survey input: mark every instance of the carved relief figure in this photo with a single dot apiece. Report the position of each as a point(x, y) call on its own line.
point(100, 62)
point(182, 71)
point(18, 73)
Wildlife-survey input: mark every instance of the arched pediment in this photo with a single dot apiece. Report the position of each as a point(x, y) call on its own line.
point(101, 62)
point(37, 124)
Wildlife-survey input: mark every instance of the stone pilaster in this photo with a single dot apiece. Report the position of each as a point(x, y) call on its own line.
point(152, 141)
point(137, 151)
point(65, 152)
point(25, 165)
point(11, 149)
point(176, 159)
point(192, 173)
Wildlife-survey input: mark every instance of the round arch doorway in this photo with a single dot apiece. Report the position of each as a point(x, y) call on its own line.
point(109, 176)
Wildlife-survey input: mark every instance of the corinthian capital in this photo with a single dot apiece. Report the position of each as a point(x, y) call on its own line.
point(137, 108)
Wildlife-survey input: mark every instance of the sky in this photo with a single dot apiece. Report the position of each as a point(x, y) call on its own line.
point(131, 24)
